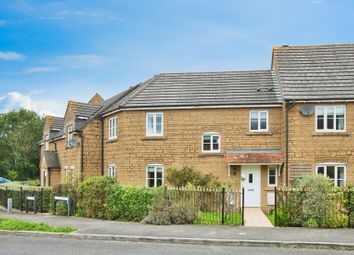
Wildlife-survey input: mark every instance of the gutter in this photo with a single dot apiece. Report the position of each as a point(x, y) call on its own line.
point(288, 106)
point(144, 108)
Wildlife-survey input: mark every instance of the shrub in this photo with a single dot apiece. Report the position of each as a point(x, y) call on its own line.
point(165, 211)
point(159, 214)
point(92, 196)
point(314, 202)
point(187, 176)
point(183, 213)
point(129, 203)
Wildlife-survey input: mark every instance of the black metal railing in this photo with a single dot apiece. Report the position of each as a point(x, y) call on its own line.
point(297, 207)
point(216, 206)
point(18, 194)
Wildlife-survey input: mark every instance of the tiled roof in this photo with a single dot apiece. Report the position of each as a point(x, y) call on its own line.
point(52, 159)
point(315, 72)
point(271, 156)
point(57, 123)
point(208, 89)
point(84, 110)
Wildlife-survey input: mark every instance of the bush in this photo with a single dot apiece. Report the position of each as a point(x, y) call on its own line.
point(187, 176)
point(183, 213)
point(314, 202)
point(166, 211)
point(92, 196)
point(129, 203)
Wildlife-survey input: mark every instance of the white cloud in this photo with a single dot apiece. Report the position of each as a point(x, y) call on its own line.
point(42, 69)
point(15, 100)
point(79, 61)
point(10, 55)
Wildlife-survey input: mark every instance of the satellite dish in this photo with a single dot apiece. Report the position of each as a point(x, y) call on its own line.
point(72, 143)
point(307, 110)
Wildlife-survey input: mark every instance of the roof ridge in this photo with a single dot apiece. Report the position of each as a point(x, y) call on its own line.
point(211, 72)
point(312, 46)
point(142, 85)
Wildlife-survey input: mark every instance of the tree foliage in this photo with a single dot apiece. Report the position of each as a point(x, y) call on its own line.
point(20, 132)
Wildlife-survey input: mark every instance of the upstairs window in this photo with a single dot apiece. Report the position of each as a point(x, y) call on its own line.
point(211, 142)
point(330, 118)
point(112, 171)
point(154, 124)
point(46, 142)
point(154, 176)
point(336, 172)
point(69, 133)
point(112, 128)
point(259, 120)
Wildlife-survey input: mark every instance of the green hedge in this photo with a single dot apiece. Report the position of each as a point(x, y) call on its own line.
point(92, 196)
point(129, 203)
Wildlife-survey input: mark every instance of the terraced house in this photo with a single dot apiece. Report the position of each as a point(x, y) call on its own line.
point(252, 129)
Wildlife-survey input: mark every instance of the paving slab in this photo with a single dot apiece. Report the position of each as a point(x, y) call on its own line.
point(254, 217)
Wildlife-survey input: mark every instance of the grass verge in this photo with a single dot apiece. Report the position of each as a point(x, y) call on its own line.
point(271, 218)
point(18, 225)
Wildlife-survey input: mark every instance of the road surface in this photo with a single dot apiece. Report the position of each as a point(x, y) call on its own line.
point(14, 245)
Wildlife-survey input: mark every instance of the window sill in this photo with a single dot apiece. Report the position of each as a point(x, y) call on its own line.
point(206, 154)
point(154, 138)
point(269, 188)
point(112, 140)
point(331, 134)
point(259, 133)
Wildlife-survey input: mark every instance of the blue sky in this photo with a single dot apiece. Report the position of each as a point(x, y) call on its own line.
point(55, 51)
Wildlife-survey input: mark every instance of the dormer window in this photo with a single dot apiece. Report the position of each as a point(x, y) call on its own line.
point(69, 133)
point(46, 142)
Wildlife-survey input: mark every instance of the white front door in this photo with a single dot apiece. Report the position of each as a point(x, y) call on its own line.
point(251, 182)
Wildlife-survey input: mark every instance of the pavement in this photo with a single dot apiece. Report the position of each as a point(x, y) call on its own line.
point(95, 229)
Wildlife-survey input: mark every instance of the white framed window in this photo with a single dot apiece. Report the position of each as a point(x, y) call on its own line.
point(272, 176)
point(259, 121)
point(330, 118)
point(69, 132)
point(46, 142)
point(337, 172)
point(112, 171)
point(69, 175)
point(112, 128)
point(154, 124)
point(211, 142)
point(154, 175)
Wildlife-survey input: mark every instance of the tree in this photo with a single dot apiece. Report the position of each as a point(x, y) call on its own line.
point(20, 132)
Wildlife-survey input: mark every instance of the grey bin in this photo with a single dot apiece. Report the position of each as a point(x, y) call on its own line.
point(9, 205)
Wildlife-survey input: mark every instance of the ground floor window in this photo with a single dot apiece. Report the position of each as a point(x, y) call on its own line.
point(272, 176)
point(112, 171)
point(336, 172)
point(44, 178)
point(154, 176)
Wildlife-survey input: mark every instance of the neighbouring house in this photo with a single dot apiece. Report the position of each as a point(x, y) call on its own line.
point(252, 129)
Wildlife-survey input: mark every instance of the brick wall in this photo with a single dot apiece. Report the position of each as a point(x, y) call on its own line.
point(308, 147)
point(182, 141)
